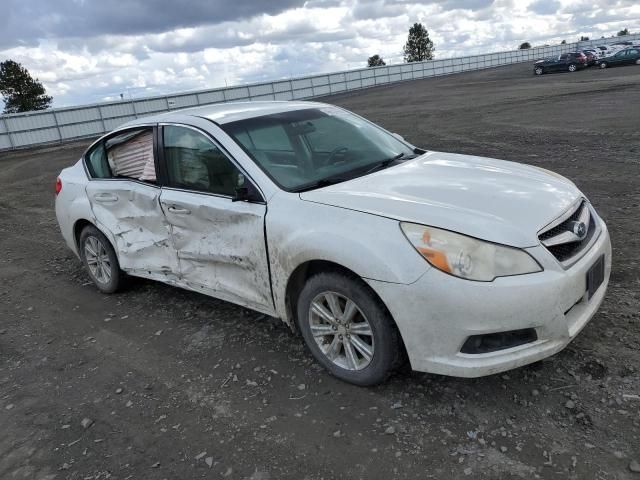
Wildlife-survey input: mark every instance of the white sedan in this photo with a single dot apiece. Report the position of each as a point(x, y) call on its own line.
point(373, 249)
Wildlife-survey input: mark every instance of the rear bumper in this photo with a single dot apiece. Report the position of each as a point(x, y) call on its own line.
point(439, 312)
point(65, 220)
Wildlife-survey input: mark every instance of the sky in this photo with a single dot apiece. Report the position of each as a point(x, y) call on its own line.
point(87, 51)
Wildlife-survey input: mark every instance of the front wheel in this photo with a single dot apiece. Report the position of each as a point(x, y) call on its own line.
point(638, 61)
point(603, 65)
point(573, 67)
point(538, 70)
point(100, 260)
point(347, 329)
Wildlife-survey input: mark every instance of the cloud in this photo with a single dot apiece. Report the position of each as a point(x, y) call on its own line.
point(26, 21)
point(467, 4)
point(87, 50)
point(545, 7)
point(365, 10)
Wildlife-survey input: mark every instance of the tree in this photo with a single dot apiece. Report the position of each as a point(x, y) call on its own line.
point(419, 46)
point(375, 61)
point(524, 46)
point(584, 39)
point(624, 32)
point(21, 92)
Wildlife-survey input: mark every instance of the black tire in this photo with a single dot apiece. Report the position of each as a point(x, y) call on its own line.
point(603, 64)
point(538, 71)
point(387, 352)
point(572, 67)
point(89, 234)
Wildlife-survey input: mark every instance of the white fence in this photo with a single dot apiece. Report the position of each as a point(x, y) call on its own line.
point(64, 124)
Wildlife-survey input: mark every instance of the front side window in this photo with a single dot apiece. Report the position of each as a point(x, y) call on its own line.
point(127, 155)
point(194, 162)
point(302, 147)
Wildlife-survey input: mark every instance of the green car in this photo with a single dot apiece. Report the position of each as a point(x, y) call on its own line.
point(628, 56)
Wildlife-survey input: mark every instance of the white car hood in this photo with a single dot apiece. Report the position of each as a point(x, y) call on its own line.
point(495, 200)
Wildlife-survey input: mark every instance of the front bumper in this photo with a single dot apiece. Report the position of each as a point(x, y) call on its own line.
point(437, 313)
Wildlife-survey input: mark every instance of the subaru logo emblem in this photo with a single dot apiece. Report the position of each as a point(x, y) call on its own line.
point(580, 229)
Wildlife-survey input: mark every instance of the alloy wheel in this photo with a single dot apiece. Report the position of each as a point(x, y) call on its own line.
point(341, 330)
point(538, 71)
point(572, 68)
point(97, 260)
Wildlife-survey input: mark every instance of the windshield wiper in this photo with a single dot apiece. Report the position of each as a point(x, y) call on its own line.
point(384, 163)
point(344, 176)
point(324, 182)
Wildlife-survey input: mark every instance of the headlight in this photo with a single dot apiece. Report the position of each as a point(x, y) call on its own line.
point(468, 257)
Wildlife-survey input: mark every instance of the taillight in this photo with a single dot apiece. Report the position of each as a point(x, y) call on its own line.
point(58, 185)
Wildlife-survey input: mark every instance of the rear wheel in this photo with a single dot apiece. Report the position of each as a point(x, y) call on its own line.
point(603, 65)
point(573, 67)
point(538, 70)
point(347, 329)
point(100, 260)
point(638, 61)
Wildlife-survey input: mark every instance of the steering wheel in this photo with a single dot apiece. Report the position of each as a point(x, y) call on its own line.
point(334, 153)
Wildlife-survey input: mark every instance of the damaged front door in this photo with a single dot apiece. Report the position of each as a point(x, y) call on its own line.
point(220, 243)
point(124, 198)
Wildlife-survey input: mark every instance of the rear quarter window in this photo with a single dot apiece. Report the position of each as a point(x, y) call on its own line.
point(96, 161)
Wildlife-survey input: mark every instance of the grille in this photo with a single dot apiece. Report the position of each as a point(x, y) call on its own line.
point(567, 240)
point(562, 227)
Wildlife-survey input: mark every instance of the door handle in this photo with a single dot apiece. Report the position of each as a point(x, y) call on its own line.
point(178, 210)
point(105, 197)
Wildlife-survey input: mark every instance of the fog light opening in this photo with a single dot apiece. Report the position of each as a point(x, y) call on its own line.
point(493, 342)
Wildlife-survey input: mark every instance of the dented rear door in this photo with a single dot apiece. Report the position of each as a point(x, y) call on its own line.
point(130, 212)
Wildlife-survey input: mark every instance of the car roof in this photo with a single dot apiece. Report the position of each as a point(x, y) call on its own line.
point(222, 113)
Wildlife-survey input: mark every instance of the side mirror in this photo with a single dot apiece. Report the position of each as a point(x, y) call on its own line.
point(247, 193)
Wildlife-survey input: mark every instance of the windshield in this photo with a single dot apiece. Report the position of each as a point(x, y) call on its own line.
point(302, 148)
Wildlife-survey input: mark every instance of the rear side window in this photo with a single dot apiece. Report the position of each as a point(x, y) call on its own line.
point(195, 163)
point(128, 155)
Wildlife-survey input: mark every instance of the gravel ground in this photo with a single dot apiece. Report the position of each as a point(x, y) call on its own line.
point(158, 383)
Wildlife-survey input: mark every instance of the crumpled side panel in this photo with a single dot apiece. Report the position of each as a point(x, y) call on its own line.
point(140, 232)
point(221, 247)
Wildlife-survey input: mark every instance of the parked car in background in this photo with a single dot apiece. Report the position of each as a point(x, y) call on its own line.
point(369, 247)
point(591, 55)
point(566, 62)
point(628, 56)
point(608, 50)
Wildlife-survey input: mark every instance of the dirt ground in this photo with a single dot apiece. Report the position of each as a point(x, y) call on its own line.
point(174, 385)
